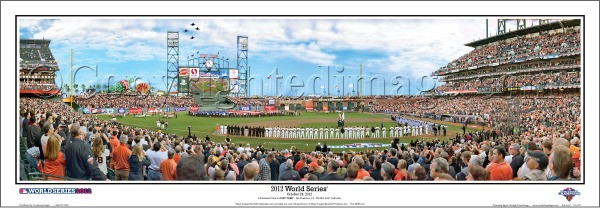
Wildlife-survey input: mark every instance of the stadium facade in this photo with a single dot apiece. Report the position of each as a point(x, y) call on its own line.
point(37, 67)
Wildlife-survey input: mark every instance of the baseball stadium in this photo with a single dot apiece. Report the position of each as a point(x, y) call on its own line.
point(507, 110)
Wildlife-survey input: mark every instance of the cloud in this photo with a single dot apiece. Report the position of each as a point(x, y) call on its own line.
point(412, 47)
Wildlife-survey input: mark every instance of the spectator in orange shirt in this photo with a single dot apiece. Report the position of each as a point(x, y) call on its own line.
point(401, 172)
point(121, 157)
point(55, 162)
point(499, 169)
point(168, 167)
point(114, 143)
point(300, 164)
point(177, 156)
point(361, 171)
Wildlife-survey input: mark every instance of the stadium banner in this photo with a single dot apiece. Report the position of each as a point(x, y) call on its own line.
point(309, 105)
point(154, 110)
point(245, 108)
point(121, 111)
point(271, 102)
point(107, 110)
point(183, 80)
point(361, 145)
point(224, 74)
point(233, 74)
point(526, 88)
point(194, 73)
point(209, 75)
point(86, 111)
point(233, 86)
point(519, 60)
point(551, 56)
point(269, 108)
point(135, 111)
point(193, 109)
point(179, 109)
point(287, 107)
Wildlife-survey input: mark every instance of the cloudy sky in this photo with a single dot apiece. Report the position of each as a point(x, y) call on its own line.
point(410, 48)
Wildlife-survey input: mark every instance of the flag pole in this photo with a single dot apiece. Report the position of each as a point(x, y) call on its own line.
point(71, 79)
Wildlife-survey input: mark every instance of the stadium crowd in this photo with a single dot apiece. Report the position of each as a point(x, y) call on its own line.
point(550, 79)
point(63, 143)
point(528, 67)
point(248, 102)
point(41, 85)
point(133, 101)
point(537, 115)
point(87, 148)
point(522, 47)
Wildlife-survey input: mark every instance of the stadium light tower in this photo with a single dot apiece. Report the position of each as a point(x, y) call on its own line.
point(172, 60)
point(242, 65)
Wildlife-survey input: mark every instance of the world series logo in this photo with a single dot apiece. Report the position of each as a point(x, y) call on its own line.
point(55, 191)
point(569, 193)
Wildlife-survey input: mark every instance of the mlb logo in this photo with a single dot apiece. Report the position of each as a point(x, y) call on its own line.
point(569, 193)
point(23, 191)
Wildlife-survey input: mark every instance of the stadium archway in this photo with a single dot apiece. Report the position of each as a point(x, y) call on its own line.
point(339, 106)
point(350, 105)
point(330, 105)
point(320, 106)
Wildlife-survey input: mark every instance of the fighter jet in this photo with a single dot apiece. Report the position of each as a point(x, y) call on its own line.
point(192, 24)
point(192, 37)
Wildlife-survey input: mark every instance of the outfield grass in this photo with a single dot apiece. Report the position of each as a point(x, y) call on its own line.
point(201, 126)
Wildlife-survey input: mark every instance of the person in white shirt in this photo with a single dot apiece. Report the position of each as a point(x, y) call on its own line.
point(337, 133)
point(392, 131)
point(156, 155)
point(326, 133)
point(415, 130)
point(320, 133)
point(427, 129)
point(271, 131)
point(383, 131)
point(315, 133)
point(331, 133)
point(377, 132)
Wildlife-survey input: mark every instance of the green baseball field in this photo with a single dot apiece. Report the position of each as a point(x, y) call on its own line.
point(202, 126)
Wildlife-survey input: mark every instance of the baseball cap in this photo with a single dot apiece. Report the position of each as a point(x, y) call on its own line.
point(539, 157)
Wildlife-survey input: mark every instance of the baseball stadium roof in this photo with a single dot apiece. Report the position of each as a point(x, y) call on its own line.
point(528, 30)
